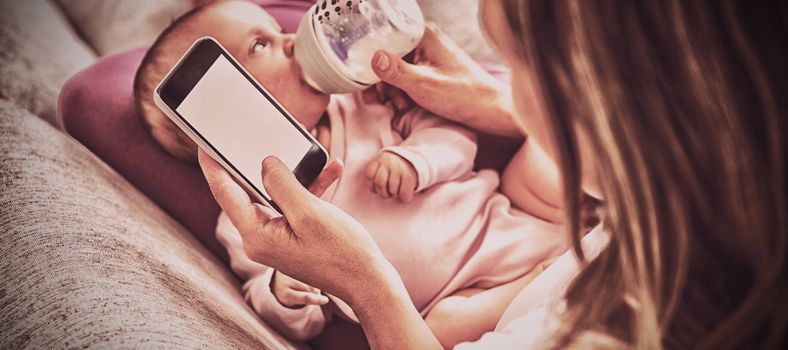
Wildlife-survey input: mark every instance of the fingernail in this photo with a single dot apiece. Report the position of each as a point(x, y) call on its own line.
point(270, 161)
point(382, 62)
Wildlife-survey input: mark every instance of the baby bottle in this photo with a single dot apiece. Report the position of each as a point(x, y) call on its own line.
point(336, 39)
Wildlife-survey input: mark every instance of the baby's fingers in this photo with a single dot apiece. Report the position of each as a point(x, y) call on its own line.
point(370, 95)
point(298, 298)
point(399, 100)
point(381, 181)
point(372, 170)
point(297, 285)
point(393, 183)
point(407, 188)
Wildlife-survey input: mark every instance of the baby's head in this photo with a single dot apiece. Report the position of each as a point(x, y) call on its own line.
point(254, 38)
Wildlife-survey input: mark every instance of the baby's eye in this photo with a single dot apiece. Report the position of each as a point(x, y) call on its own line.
point(257, 46)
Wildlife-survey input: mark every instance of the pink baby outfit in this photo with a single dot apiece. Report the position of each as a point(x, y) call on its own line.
point(458, 231)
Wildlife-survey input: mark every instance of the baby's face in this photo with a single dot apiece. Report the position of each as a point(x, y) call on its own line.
point(256, 40)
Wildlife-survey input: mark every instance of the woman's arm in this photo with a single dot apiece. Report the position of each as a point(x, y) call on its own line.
point(319, 244)
point(533, 183)
point(448, 82)
point(469, 313)
point(387, 315)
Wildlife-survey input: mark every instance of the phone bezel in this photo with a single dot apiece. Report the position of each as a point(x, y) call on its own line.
point(183, 77)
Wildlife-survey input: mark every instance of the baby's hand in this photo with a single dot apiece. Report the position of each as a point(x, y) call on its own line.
point(393, 176)
point(293, 293)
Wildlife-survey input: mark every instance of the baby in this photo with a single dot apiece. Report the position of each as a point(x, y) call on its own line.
point(462, 251)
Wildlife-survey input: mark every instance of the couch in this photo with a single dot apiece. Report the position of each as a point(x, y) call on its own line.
point(87, 260)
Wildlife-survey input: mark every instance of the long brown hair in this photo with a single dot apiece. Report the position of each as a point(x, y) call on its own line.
point(685, 106)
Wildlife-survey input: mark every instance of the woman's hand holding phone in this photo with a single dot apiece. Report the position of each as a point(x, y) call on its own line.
point(314, 241)
point(218, 104)
point(321, 245)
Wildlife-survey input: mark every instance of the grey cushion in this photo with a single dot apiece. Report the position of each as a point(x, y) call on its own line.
point(86, 260)
point(38, 53)
point(110, 26)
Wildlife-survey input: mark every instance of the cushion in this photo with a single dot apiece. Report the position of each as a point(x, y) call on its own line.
point(97, 108)
point(88, 261)
point(112, 26)
point(287, 12)
point(39, 53)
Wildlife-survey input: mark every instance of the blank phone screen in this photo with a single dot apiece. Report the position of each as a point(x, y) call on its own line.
point(240, 123)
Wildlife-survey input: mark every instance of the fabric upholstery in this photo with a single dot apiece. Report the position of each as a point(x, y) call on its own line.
point(86, 260)
point(97, 108)
point(112, 26)
point(39, 53)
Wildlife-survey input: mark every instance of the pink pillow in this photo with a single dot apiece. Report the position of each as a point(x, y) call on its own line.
point(287, 12)
point(96, 107)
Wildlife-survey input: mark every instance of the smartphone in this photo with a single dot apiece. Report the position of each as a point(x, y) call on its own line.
point(234, 119)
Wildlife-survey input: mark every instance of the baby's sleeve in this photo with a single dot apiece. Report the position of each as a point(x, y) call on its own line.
point(440, 150)
point(298, 324)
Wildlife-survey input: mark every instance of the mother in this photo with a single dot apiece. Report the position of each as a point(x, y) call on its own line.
point(670, 112)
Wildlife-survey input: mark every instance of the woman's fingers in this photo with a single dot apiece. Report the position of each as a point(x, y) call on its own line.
point(434, 50)
point(436, 46)
point(284, 188)
point(393, 70)
point(230, 196)
point(327, 177)
point(264, 212)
